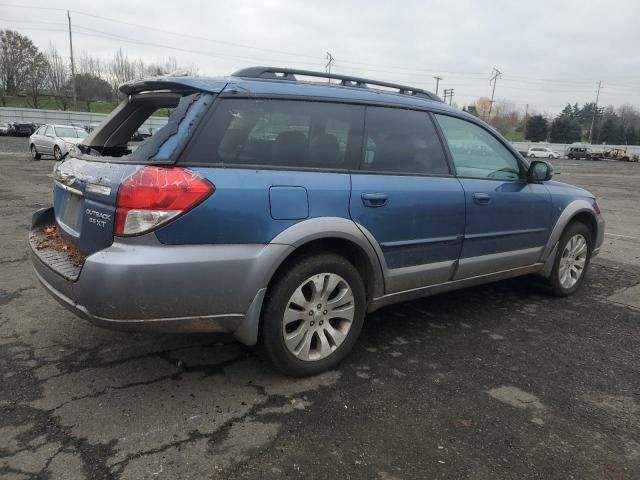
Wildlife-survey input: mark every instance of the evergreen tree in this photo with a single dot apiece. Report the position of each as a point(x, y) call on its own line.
point(537, 129)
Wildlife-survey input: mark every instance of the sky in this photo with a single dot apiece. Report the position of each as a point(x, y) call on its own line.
point(549, 52)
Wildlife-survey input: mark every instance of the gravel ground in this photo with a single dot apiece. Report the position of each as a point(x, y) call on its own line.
point(496, 382)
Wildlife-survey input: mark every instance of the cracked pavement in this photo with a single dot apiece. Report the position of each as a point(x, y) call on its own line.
point(495, 382)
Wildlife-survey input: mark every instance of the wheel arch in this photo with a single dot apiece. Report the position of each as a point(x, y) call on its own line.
point(325, 234)
point(579, 210)
point(334, 235)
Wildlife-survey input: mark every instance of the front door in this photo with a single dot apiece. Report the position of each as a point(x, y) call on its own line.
point(507, 218)
point(405, 197)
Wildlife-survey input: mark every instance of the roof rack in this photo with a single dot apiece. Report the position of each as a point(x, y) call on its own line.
point(345, 80)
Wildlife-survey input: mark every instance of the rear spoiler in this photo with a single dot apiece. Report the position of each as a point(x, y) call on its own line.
point(187, 84)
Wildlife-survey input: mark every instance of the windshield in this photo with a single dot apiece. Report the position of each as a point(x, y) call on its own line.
point(70, 132)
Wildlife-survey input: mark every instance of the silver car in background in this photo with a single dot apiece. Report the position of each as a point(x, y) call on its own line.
point(54, 140)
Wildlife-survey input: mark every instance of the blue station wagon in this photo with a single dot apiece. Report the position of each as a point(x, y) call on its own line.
point(283, 205)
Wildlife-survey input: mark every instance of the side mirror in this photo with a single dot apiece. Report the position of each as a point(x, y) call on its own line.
point(539, 171)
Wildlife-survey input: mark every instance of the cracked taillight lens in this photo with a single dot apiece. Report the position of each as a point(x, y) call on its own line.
point(153, 196)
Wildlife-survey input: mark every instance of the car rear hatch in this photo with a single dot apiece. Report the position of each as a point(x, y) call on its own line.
point(86, 183)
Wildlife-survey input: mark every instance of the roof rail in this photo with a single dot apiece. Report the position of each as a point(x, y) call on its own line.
point(345, 80)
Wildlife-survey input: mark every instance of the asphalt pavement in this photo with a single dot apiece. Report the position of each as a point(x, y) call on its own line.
point(495, 382)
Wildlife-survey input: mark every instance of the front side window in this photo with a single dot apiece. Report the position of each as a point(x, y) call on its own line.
point(286, 133)
point(476, 153)
point(402, 141)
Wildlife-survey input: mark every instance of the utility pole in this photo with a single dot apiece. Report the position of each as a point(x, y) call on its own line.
point(73, 66)
point(448, 92)
point(437, 82)
point(526, 117)
point(327, 67)
point(593, 118)
point(496, 73)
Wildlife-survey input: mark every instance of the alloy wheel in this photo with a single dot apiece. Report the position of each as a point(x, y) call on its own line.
point(318, 317)
point(573, 261)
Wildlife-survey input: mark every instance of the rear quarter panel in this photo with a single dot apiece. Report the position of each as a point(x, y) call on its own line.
point(240, 210)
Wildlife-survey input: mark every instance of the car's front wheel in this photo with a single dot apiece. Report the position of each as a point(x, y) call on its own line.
point(313, 315)
point(572, 260)
point(57, 153)
point(34, 153)
point(532, 155)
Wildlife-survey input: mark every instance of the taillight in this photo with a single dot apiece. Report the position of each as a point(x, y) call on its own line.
point(155, 195)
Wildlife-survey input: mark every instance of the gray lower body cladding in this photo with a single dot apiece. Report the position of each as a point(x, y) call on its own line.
point(140, 284)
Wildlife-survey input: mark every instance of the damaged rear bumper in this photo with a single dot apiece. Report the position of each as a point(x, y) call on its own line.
point(139, 284)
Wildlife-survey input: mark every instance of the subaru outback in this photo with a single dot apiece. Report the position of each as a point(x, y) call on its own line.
point(282, 208)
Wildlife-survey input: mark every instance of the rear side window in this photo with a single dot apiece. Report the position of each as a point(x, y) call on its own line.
point(285, 133)
point(476, 153)
point(402, 141)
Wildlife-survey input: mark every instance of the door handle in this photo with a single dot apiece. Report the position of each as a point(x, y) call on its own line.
point(481, 198)
point(374, 200)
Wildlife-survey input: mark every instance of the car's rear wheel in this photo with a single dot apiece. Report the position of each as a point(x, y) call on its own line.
point(313, 315)
point(34, 153)
point(57, 153)
point(572, 260)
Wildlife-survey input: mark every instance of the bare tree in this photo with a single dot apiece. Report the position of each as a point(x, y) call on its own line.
point(89, 65)
point(57, 77)
point(36, 77)
point(16, 52)
point(120, 69)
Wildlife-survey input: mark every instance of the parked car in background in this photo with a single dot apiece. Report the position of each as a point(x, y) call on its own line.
point(21, 129)
point(141, 135)
point(282, 211)
point(4, 129)
point(54, 140)
point(579, 152)
point(542, 152)
point(623, 155)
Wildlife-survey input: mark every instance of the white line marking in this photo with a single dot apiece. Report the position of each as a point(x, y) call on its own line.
point(621, 236)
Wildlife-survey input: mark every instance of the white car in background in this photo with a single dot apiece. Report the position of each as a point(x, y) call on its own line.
point(54, 140)
point(542, 152)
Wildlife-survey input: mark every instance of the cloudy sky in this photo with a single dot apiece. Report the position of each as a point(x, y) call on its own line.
point(550, 52)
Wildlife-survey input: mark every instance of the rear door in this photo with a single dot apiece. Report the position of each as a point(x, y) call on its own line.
point(405, 197)
point(507, 217)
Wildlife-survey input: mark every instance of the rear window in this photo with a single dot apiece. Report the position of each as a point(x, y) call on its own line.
point(70, 132)
point(286, 133)
point(126, 134)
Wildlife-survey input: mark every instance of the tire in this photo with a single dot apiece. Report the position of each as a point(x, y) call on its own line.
point(555, 283)
point(313, 346)
point(57, 153)
point(532, 155)
point(625, 159)
point(34, 153)
point(551, 157)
